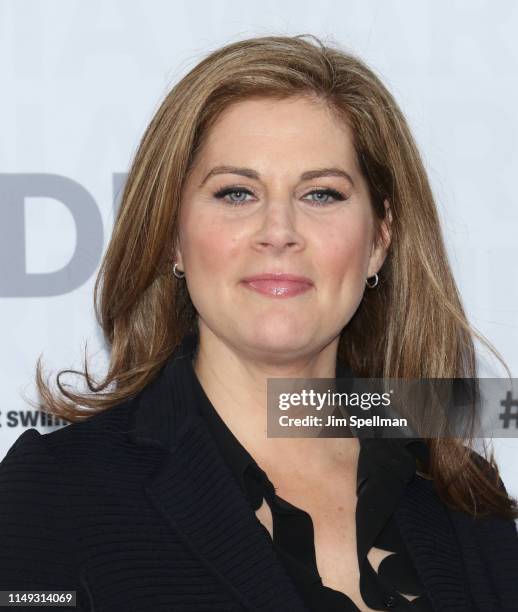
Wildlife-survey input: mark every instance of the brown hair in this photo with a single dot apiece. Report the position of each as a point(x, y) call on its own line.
point(412, 326)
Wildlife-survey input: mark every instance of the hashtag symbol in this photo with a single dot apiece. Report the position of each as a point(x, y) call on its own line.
point(507, 415)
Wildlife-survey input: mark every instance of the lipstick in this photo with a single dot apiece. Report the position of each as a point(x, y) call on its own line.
point(278, 284)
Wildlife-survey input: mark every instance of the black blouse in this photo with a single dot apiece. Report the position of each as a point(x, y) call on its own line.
point(385, 466)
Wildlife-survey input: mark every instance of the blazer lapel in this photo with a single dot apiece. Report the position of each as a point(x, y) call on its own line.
point(197, 495)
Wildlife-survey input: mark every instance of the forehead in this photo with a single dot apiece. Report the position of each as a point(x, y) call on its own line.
point(275, 128)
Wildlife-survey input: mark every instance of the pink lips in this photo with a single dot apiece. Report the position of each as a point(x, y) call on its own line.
point(278, 284)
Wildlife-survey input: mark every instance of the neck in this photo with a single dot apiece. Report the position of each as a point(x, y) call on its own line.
point(236, 384)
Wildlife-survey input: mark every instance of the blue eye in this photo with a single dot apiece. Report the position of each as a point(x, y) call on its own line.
point(240, 194)
point(336, 195)
point(227, 191)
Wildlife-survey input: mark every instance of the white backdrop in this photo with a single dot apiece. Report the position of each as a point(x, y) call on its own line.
point(81, 80)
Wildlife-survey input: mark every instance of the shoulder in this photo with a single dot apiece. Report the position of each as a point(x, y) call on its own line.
point(36, 530)
point(27, 460)
point(41, 471)
point(31, 485)
point(491, 526)
point(37, 460)
point(489, 548)
point(484, 549)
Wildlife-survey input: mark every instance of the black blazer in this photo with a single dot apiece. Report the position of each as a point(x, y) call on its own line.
point(135, 509)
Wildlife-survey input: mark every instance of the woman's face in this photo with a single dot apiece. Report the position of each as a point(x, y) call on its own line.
point(276, 188)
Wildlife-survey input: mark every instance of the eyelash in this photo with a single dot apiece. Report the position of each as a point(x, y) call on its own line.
point(222, 193)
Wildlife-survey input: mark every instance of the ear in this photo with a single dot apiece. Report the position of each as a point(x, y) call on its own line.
point(381, 242)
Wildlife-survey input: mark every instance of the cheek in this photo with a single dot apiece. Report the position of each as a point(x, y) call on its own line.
point(345, 254)
point(209, 247)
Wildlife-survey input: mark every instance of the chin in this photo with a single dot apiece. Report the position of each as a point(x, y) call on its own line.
point(278, 338)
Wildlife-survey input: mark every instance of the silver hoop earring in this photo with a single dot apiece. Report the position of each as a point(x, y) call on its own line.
point(374, 284)
point(181, 275)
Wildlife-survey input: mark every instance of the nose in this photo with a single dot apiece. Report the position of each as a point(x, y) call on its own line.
point(278, 228)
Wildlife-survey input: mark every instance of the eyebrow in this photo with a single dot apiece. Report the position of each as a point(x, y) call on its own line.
point(252, 174)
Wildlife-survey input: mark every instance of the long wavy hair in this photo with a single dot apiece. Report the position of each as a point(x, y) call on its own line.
point(412, 326)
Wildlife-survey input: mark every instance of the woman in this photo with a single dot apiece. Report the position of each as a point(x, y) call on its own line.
point(276, 222)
